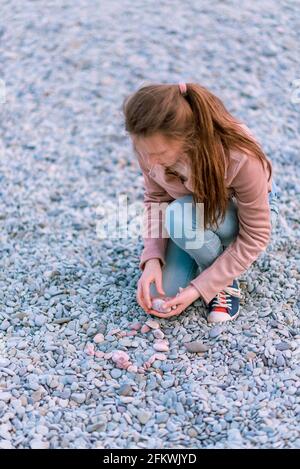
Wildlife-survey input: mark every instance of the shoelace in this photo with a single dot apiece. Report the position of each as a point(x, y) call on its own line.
point(221, 298)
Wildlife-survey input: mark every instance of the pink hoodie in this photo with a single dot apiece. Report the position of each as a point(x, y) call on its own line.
point(248, 184)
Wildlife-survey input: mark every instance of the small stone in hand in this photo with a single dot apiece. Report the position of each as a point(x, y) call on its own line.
point(158, 303)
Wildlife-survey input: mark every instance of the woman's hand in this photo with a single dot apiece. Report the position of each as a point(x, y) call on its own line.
point(182, 300)
point(151, 273)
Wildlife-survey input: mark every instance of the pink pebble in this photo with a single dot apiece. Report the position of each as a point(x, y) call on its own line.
point(99, 354)
point(161, 346)
point(121, 359)
point(124, 365)
point(119, 355)
point(158, 305)
point(131, 333)
point(122, 333)
point(150, 360)
point(90, 350)
point(152, 324)
point(160, 356)
point(145, 329)
point(155, 356)
point(158, 334)
point(162, 341)
point(135, 325)
point(99, 338)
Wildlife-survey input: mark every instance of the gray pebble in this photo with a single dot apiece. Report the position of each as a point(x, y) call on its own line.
point(125, 390)
point(215, 332)
point(282, 346)
point(78, 397)
point(116, 373)
point(196, 347)
point(280, 360)
point(40, 320)
point(144, 416)
point(4, 325)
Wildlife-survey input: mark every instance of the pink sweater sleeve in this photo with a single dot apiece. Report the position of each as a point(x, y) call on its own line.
point(250, 187)
point(154, 247)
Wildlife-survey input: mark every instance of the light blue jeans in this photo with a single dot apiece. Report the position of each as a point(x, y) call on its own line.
point(184, 264)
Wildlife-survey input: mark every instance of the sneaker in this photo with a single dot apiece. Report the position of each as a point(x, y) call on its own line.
point(225, 306)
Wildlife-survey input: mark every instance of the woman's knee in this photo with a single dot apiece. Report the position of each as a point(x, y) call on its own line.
point(181, 227)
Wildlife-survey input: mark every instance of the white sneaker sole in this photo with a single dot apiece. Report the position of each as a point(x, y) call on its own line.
point(214, 318)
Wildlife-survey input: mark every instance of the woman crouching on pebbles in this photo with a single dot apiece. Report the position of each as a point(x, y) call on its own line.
point(193, 153)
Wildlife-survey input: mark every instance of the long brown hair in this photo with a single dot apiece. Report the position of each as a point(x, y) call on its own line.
point(206, 129)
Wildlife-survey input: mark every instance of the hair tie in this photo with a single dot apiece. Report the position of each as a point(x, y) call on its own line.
point(183, 88)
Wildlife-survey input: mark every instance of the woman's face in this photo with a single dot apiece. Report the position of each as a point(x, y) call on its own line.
point(159, 150)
